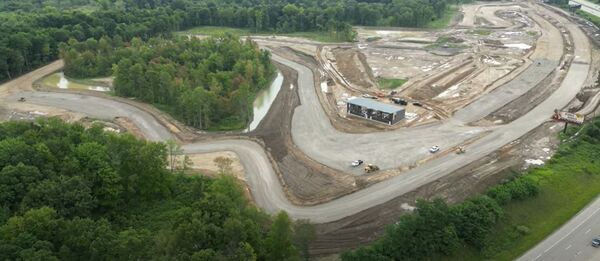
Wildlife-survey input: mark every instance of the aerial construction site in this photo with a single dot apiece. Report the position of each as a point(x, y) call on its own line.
point(476, 101)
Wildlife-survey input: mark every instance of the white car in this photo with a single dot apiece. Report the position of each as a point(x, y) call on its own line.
point(434, 149)
point(356, 163)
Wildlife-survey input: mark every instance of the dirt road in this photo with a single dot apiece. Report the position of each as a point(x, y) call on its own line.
point(312, 133)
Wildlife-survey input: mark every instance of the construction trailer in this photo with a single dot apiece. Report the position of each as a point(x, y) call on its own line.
point(373, 110)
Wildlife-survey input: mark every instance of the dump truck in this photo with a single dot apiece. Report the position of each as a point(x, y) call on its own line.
point(371, 168)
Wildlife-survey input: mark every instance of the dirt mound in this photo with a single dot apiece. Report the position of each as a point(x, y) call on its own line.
point(352, 64)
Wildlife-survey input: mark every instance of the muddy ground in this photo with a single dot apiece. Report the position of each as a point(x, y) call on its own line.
point(307, 181)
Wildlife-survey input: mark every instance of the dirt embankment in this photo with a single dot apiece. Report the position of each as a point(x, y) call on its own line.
point(306, 181)
point(546, 87)
point(353, 66)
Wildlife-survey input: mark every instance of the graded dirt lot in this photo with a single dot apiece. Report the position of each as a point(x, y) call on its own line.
point(366, 226)
point(445, 69)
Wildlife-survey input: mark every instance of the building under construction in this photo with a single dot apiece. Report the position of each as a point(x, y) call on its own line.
point(374, 110)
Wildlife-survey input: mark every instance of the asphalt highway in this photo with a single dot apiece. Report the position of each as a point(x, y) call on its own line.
point(313, 133)
point(588, 7)
point(573, 240)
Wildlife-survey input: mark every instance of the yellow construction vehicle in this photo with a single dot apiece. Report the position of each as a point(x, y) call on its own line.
point(371, 168)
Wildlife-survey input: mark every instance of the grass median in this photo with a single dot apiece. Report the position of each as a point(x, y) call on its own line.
point(567, 183)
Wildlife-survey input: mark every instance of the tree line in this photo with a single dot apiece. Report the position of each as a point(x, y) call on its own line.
point(208, 84)
point(437, 229)
point(31, 33)
point(73, 193)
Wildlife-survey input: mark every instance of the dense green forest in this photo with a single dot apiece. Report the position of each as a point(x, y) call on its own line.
point(208, 84)
point(32, 29)
point(74, 193)
point(500, 224)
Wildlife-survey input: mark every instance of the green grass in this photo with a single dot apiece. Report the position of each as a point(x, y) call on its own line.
point(443, 42)
point(590, 17)
point(445, 20)
point(390, 83)
point(216, 30)
point(567, 183)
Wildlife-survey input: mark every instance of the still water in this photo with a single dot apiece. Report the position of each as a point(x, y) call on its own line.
point(263, 101)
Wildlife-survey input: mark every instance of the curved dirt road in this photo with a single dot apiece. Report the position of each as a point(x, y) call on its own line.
point(313, 133)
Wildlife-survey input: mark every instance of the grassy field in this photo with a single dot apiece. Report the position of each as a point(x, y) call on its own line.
point(445, 20)
point(568, 182)
point(590, 17)
point(216, 30)
point(390, 83)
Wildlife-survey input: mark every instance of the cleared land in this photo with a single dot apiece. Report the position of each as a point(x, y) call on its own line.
point(311, 148)
point(568, 182)
point(216, 30)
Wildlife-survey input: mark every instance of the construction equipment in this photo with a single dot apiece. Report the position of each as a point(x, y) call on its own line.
point(460, 150)
point(371, 168)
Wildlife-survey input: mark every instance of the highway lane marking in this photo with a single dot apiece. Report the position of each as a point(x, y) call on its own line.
point(576, 227)
point(568, 247)
point(588, 231)
point(538, 256)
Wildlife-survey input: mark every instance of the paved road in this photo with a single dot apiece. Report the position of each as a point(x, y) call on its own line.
point(587, 6)
point(572, 240)
point(325, 144)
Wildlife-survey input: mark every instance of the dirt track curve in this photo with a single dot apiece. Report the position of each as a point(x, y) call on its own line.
point(313, 134)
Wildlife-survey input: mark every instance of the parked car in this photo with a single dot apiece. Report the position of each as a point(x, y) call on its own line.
point(434, 149)
point(22, 99)
point(596, 242)
point(356, 163)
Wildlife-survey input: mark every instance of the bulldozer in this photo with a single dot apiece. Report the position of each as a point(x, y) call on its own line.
point(460, 150)
point(371, 168)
